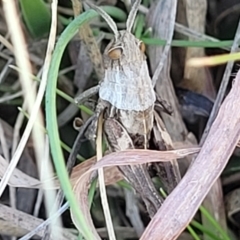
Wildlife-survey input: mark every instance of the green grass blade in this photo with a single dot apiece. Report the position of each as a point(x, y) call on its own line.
point(200, 227)
point(214, 223)
point(116, 13)
point(187, 43)
point(193, 233)
point(51, 116)
point(139, 25)
point(36, 16)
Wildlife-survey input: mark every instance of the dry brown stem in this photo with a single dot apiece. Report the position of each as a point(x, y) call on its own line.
point(181, 205)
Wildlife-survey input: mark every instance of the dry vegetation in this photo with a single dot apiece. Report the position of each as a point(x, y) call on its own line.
point(45, 63)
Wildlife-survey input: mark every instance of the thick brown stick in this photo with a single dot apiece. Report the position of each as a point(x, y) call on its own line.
point(181, 205)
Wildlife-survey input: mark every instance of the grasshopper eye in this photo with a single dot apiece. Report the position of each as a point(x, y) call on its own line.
point(115, 53)
point(142, 47)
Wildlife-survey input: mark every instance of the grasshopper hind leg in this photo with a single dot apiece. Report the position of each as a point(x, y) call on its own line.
point(137, 175)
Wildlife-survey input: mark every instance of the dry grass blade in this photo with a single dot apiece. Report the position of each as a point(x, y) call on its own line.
point(140, 156)
point(33, 103)
point(184, 201)
point(102, 188)
point(196, 79)
point(21, 180)
point(22, 59)
point(216, 208)
point(6, 43)
point(18, 223)
point(167, 11)
point(127, 157)
point(164, 87)
point(18, 178)
point(112, 174)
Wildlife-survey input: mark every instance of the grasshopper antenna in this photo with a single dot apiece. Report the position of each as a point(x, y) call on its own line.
point(106, 17)
point(132, 15)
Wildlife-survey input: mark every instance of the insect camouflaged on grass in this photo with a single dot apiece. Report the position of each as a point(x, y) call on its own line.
point(127, 97)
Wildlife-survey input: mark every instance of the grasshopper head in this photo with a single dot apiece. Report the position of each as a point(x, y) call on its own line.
point(111, 23)
point(124, 47)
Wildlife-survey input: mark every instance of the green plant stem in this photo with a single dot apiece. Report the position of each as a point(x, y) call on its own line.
point(51, 117)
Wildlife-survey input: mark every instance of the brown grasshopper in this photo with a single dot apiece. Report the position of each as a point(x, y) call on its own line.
point(127, 97)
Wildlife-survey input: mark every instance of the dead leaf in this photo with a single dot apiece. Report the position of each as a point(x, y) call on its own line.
point(22, 180)
point(111, 174)
point(128, 157)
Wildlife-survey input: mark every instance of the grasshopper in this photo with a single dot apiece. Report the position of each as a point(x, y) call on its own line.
point(127, 97)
